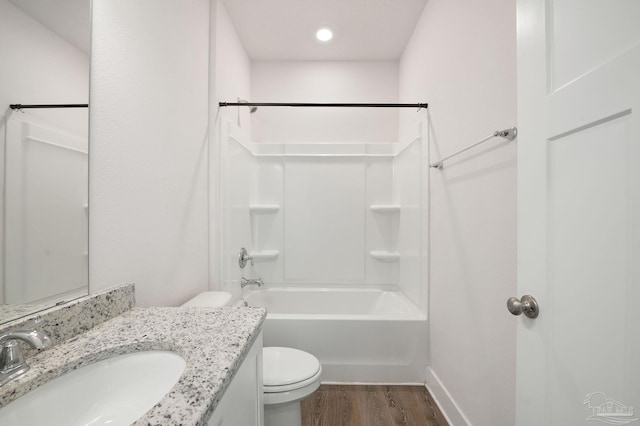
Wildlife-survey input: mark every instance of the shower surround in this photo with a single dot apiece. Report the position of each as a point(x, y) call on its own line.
point(331, 217)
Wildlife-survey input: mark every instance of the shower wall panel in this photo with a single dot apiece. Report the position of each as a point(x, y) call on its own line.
point(311, 221)
point(410, 187)
point(267, 219)
point(381, 228)
point(327, 214)
point(324, 233)
point(239, 169)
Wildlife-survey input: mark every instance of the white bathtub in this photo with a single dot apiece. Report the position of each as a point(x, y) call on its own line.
point(359, 335)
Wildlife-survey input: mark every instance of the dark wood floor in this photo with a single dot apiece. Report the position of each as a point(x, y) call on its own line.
point(364, 405)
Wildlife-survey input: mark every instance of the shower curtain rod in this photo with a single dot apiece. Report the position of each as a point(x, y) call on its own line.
point(20, 106)
point(333, 105)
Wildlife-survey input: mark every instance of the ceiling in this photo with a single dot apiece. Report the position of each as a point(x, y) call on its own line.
point(277, 29)
point(70, 19)
point(362, 29)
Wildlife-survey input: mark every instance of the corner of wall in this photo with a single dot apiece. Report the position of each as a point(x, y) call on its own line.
point(448, 406)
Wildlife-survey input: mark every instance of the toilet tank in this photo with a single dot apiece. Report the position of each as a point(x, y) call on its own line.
point(210, 299)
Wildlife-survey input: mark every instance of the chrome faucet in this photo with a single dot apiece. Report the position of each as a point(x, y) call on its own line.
point(245, 282)
point(12, 362)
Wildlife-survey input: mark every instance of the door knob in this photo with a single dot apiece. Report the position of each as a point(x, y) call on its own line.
point(527, 306)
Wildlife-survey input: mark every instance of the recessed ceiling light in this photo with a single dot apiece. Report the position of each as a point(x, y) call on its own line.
point(324, 34)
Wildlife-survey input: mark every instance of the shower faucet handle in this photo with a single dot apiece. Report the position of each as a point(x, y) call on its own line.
point(243, 257)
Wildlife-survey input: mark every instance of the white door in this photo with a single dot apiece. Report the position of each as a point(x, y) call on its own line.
point(579, 211)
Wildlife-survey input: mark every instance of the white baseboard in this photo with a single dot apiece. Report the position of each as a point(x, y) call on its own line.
point(343, 383)
point(450, 410)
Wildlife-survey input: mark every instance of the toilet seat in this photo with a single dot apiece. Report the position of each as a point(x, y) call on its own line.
point(285, 369)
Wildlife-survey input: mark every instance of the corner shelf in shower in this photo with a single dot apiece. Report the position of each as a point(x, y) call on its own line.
point(261, 255)
point(385, 256)
point(385, 208)
point(264, 208)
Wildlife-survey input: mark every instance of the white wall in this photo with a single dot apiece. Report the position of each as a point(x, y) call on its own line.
point(461, 59)
point(232, 71)
point(324, 81)
point(148, 136)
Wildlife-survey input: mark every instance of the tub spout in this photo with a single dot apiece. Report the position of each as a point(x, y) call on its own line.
point(245, 282)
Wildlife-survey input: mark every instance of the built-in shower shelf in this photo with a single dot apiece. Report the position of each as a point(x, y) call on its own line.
point(264, 208)
point(264, 254)
point(385, 208)
point(385, 256)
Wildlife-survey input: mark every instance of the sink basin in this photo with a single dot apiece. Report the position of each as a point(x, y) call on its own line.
point(115, 391)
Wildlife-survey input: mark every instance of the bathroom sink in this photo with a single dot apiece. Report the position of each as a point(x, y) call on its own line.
point(115, 391)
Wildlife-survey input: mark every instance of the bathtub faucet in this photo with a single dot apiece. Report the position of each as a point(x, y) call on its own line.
point(245, 282)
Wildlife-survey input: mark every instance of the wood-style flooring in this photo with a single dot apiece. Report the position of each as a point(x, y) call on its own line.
point(364, 405)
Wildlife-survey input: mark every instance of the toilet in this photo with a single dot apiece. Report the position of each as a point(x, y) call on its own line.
point(289, 375)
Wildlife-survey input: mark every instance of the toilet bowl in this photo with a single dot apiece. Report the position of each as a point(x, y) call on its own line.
point(290, 375)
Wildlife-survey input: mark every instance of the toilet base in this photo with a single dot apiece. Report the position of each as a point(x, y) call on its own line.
point(287, 414)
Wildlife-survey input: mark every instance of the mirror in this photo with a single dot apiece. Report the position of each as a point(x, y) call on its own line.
point(44, 59)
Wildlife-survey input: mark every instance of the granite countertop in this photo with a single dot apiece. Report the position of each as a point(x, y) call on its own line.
point(213, 341)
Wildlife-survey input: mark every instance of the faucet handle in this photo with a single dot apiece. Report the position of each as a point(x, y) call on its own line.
point(243, 257)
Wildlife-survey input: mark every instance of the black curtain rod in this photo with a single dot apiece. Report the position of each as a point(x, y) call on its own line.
point(288, 104)
point(20, 106)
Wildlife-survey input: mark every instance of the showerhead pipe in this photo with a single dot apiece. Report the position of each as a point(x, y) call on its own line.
point(252, 108)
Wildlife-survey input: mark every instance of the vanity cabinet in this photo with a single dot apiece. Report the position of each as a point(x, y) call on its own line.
point(242, 402)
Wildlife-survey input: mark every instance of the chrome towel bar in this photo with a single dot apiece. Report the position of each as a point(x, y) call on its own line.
point(509, 134)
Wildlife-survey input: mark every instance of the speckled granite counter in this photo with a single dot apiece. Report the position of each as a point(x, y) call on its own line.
point(213, 342)
point(67, 320)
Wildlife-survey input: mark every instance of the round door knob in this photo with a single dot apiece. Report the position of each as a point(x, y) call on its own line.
point(527, 305)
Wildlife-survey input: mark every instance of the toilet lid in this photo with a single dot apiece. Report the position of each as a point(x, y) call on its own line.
point(285, 366)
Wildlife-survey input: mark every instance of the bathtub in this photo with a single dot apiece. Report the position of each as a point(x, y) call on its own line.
point(359, 335)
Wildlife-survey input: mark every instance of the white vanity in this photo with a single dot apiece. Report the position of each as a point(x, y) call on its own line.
point(242, 402)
